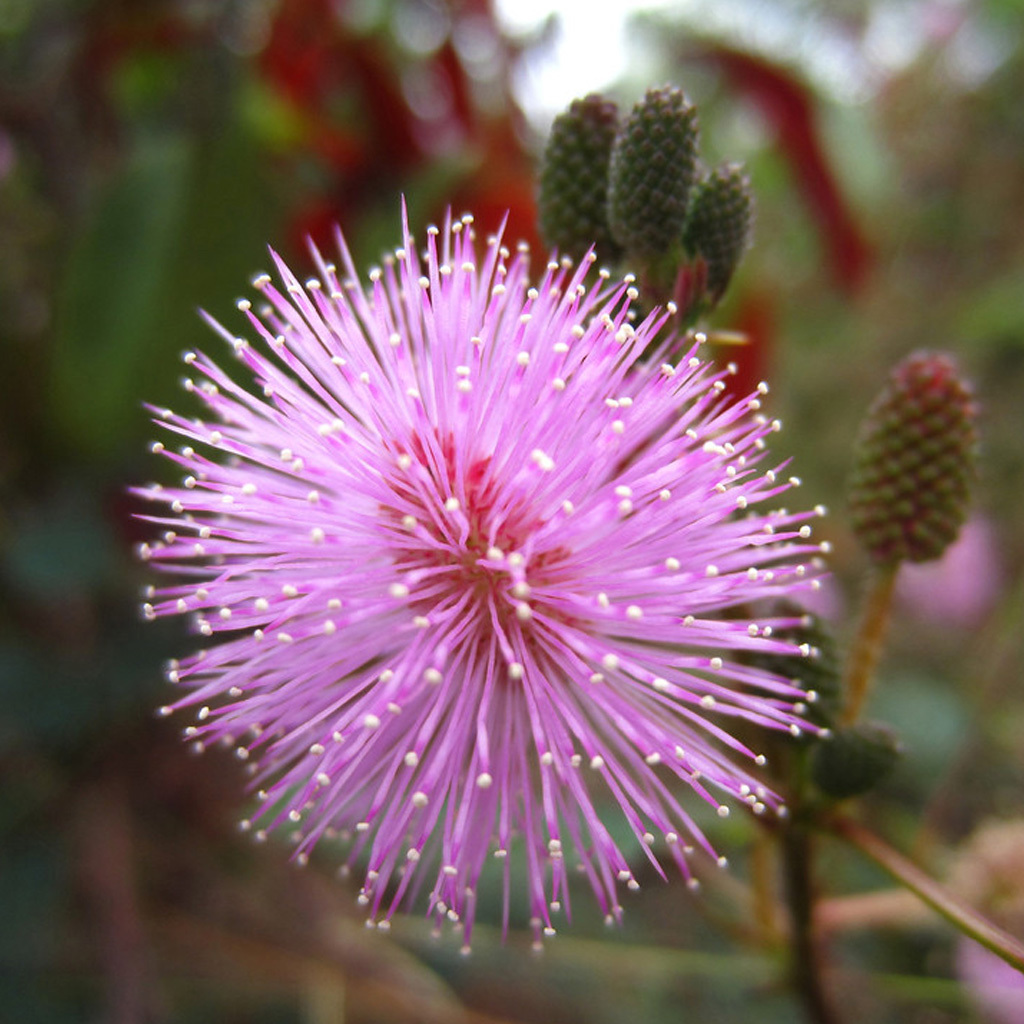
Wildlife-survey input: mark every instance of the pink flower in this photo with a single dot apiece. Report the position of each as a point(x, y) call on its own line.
point(960, 588)
point(478, 575)
point(996, 988)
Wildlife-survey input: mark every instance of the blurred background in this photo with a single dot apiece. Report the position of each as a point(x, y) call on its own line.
point(151, 149)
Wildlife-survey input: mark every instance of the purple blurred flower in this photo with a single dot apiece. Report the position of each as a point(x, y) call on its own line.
point(988, 873)
point(478, 576)
point(996, 987)
point(960, 588)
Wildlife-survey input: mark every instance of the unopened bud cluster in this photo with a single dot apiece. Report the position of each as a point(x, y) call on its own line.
point(633, 188)
point(915, 462)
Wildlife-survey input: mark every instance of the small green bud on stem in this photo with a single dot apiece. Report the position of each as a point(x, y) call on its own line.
point(915, 462)
point(914, 466)
point(854, 759)
point(653, 166)
point(718, 226)
point(573, 201)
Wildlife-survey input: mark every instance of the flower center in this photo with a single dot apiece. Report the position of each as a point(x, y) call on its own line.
point(460, 540)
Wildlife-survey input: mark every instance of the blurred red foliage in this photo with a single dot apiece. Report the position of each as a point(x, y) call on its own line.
point(382, 142)
point(788, 107)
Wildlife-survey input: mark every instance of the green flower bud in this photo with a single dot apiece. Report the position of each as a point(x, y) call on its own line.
point(573, 202)
point(718, 225)
point(653, 166)
point(854, 759)
point(818, 675)
point(915, 462)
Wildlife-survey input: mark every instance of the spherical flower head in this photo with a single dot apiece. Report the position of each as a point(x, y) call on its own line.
point(477, 580)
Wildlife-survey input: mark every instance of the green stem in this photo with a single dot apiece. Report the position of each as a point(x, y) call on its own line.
point(936, 896)
point(763, 866)
point(867, 644)
point(805, 950)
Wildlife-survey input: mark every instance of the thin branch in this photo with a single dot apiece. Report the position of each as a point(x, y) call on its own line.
point(936, 896)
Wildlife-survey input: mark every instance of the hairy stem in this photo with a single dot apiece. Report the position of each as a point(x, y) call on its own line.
point(797, 853)
point(867, 644)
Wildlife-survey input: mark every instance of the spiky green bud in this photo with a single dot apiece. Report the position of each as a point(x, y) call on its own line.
point(915, 462)
point(653, 166)
point(854, 759)
point(819, 675)
point(718, 225)
point(573, 201)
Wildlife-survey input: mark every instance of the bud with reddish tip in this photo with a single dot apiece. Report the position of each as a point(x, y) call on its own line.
point(653, 166)
point(915, 462)
point(573, 201)
point(718, 225)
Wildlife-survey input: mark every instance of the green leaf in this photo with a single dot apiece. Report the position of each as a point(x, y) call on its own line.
point(105, 326)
